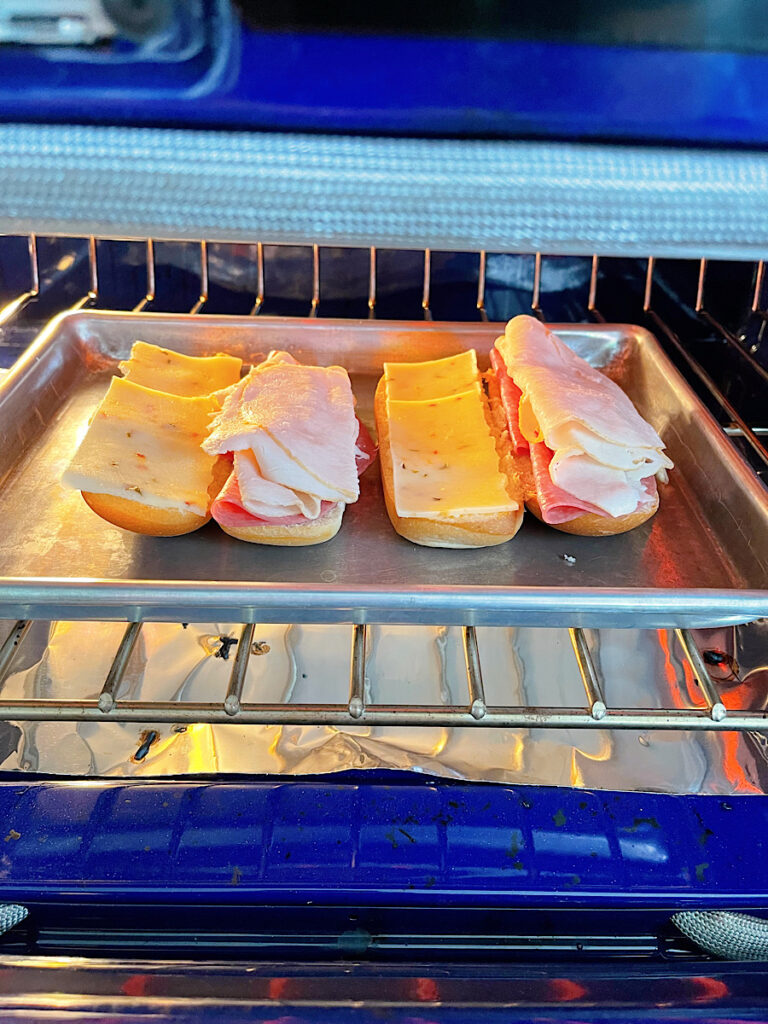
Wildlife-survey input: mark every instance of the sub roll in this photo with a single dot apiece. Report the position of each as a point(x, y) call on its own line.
point(140, 465)
point(444, 456)
point(585, 460)
point(296, 449)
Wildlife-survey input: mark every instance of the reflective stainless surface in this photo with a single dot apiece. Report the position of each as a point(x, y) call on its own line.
point(303, 671)
point(703, 560)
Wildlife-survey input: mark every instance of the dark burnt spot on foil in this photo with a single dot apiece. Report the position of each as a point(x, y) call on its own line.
point(226, 643)
point(147, 739)
point(724, 663)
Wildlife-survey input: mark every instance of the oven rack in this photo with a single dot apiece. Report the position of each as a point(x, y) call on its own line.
point(735, 427)
point(476, 711)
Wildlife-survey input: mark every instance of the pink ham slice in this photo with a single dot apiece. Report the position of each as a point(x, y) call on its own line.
point(228, 509)
point(299, 422)
point(557, 506)
point(510, 399)
point(365, 449)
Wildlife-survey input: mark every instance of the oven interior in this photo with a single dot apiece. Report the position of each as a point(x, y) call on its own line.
point(374, 869)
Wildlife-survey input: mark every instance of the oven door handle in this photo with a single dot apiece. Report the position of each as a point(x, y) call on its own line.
point(11, 914)
point(725, 934)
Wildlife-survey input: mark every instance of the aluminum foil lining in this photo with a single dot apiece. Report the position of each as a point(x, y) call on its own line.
point(405, 665)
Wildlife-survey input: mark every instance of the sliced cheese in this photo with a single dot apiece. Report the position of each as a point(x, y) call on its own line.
point(145, 445)
point(444, 458)
point(433, 379)
point(177, 374)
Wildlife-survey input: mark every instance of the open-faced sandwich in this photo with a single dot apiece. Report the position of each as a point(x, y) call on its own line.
point(297, 449)
point(585, 459)
point(444, 458)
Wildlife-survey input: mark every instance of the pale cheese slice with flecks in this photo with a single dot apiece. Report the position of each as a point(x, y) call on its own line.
point(444, 458)
point(177, 374)
point(435, 378)
point(145, 445)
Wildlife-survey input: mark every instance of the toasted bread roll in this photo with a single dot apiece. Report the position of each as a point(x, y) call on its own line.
point(313, 531)
point(591, 525)
point(140, 465)
point(460, 531)
point(155, 522)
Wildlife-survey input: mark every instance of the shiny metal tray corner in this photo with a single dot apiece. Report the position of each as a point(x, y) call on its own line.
point(702, 560)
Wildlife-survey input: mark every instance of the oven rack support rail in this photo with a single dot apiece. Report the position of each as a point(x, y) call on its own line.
point(475, 712)
point(735, 427)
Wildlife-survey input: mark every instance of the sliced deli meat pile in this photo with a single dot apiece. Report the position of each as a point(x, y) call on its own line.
point(591, 451)
point(296, 443)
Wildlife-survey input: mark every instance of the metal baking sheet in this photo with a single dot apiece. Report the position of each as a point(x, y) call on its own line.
point(702, 560)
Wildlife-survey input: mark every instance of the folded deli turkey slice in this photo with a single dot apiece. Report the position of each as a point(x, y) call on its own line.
point(177, 374)
point(442, 456)
point(140, 465)
point(297, 449)
point(593, 458)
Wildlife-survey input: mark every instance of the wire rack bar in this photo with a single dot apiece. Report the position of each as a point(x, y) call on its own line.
point(536, 292)
point(382, 714)
point(698, 370)
point(477, 705)
point(427, 284)
point(232, 703)
point(108, 695)
point(11, 646)
point(203, 296)
point(717, 709)
point(758, 292)
point(315, 281)
point(372, 283)
point(480, 304)
point(9, 311)
point(589, 676)
point(259, 300)
point(738, 432)
point(724, 333)
point(357, 672)
point(149, 296)
point(592, 295)
point(92, 294)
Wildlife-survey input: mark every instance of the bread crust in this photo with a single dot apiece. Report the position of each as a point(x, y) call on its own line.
point(314, 531)
point(470, 531)
point(587, 525)
point(155, 522)
point(591, 525)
